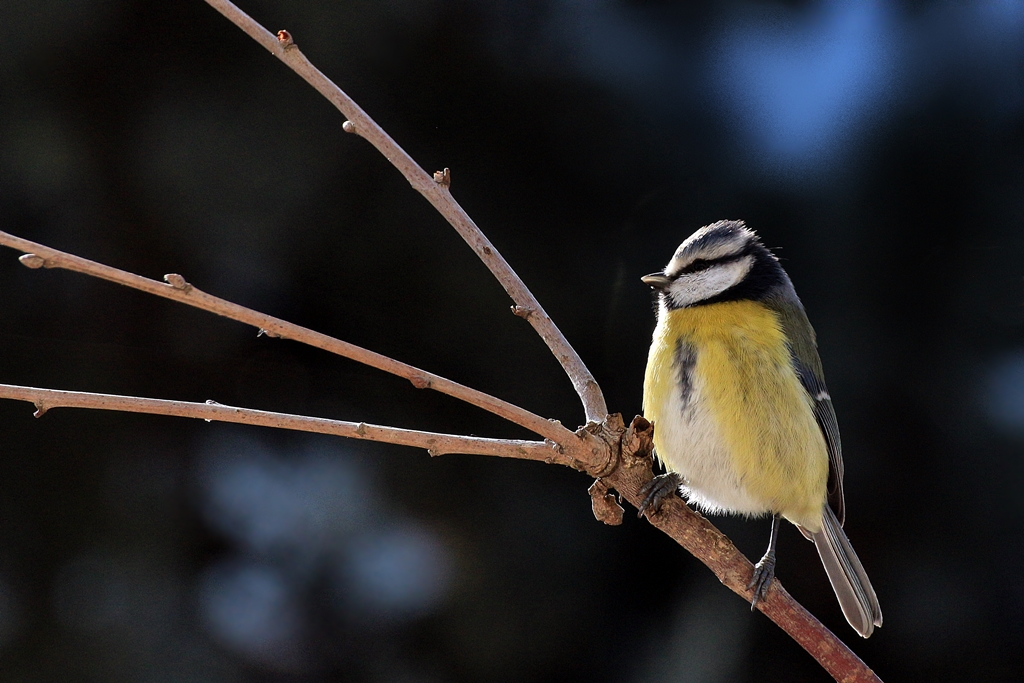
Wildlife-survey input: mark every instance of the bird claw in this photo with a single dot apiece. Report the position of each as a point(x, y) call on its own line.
point(761, 581)
point(657, 490)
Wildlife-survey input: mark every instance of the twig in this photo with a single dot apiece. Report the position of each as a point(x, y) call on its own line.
point(436, 444)
point(437, 193)
point(40, 256)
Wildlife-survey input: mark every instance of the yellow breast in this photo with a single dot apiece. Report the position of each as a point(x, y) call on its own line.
point(744, 435)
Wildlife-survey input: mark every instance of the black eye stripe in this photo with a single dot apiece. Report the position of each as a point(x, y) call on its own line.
point(700, 264)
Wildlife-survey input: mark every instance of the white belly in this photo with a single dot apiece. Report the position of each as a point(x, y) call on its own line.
point(691, 444)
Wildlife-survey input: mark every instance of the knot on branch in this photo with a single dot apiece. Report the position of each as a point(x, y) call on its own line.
point(211, 402)
point(523, 312)
point(606, 508)
point(33, 261)
point(285, 39)
point(637, 444)
point(267, 333)
point(443, 178)
point(348, 127)
point(177, 281)
point(420, 382)
point(629, 459)
point(40, 410)
point(556, 449)
point(601, 446)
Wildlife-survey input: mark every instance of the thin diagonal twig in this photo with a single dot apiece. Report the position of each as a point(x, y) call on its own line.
point(438, 194)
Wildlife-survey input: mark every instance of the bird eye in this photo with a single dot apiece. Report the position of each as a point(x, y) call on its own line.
point(697, 265)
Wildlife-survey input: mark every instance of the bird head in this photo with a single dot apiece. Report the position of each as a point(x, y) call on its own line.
point(723, 261)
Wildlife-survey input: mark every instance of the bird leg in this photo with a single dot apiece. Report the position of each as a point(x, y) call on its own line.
point(657, 490)
point(764, 571)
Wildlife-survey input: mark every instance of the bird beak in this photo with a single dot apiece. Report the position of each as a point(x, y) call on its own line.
point(657, 281)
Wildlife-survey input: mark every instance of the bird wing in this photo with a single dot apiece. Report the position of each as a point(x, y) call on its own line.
point(825, 415)
point(804, 352)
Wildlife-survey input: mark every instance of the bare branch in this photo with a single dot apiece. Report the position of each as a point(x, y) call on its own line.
point(437, 193)
point(705, 541)
point(715, 550)
point(40, 256)
point(436, 444)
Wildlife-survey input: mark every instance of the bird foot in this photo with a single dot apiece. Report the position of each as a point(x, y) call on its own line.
point(764, 573)
point(657, 490)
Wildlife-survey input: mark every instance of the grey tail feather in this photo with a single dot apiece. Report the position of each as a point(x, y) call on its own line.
point(847, 575)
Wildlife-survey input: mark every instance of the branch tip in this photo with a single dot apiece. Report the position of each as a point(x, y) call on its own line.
point(177, 281)
point(285, 39)
point(32, 261)
point(40, 410)
point(443, 178)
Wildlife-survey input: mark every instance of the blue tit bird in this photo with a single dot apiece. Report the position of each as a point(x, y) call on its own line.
point(743, 422)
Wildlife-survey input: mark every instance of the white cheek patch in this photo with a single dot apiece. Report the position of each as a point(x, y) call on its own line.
point(691, 288)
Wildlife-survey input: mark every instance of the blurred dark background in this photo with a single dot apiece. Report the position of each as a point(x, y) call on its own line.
point(879, 146)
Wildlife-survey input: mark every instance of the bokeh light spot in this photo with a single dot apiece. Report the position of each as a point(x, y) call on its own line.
point(802, 88)
point(1004, 393)
point(252, 609)
point(397, 573)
